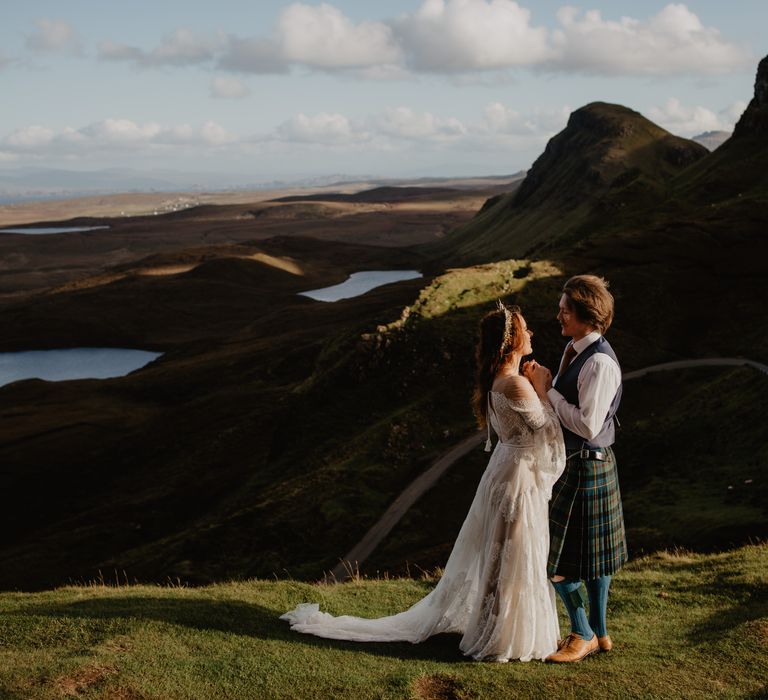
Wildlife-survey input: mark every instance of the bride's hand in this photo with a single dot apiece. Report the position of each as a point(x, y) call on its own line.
point(541, 378)
point(528, 369)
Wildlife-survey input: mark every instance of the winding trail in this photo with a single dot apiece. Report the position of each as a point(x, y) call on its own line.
point(425, 481)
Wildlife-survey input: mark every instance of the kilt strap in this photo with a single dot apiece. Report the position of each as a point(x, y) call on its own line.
point(599, 455)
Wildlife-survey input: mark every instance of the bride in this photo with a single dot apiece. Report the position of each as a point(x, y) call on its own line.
point(494, 589)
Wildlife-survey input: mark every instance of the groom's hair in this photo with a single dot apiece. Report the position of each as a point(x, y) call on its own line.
point(590, 300)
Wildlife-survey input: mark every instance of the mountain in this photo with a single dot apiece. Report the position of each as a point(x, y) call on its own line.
point(711, 139)
point(754, 121)
point(737, 169)
point(607, 157)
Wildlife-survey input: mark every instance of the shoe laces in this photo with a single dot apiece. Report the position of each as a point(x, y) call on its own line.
point(572, 637)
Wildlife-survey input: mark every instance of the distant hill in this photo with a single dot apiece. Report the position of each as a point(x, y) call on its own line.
point(712, 139)
point(377, 194)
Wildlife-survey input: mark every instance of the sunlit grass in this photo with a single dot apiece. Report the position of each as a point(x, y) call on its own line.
point(685, 625)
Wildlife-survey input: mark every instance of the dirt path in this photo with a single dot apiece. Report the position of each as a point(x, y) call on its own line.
point(709, 361)
point(419, 486)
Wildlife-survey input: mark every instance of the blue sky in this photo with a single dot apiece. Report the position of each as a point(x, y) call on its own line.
point(404, 88)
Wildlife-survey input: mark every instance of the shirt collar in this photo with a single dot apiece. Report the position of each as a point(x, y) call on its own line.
point(585, 342)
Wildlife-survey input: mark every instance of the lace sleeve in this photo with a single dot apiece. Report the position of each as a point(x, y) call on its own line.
point(549, 449)
point(532, 412)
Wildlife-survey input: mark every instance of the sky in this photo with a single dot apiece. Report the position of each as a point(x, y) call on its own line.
point(287, 90)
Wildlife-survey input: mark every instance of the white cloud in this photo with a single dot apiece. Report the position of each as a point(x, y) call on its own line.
point(403, 128)
point(54, 35)
point(467, 35)
point(323, 37)
point(117, 131)
point(733, 113)
point(674, 41)
point(537, 122)
point(403, 122)
point(183, 48)
point(503, 120)
point(252, 56)
point(228, 88)
point(458, 38)
point(30, 137)
point(688, 121)
point(113, 135)
point(180, 48)
point(497, 129)
point(215, 135)
point(111, 51)
point(320, 128)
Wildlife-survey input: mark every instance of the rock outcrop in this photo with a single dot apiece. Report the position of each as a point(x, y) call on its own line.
point(754, 121)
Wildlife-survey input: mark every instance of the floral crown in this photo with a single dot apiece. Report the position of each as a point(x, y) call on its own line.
point(506, 339)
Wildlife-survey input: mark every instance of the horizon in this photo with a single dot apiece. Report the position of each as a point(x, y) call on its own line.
point(285, 92)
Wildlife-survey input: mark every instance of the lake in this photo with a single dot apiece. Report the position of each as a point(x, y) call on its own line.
point(72, 363)
point(360, 283)
point(55, 229)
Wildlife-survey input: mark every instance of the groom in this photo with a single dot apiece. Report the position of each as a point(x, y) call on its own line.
point(587, 540)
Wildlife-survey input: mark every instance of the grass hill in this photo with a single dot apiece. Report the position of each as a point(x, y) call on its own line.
point(608, 155)
point(684, 625)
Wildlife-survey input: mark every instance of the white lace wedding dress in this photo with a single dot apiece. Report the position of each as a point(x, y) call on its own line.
point(494, 589)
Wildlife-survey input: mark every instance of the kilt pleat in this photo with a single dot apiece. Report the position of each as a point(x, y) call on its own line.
point(586, 521)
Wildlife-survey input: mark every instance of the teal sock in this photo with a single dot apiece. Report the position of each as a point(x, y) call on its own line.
point(597, 588)
point(572, 595)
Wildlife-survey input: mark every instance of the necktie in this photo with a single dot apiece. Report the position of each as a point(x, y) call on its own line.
point(570, 353)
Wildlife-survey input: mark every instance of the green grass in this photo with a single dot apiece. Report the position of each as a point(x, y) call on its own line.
point(685, 625)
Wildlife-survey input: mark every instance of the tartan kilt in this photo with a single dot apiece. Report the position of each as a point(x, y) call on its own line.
point(586, 521)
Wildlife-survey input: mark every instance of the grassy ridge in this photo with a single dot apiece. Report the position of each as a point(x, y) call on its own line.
point(607, 158)
point(684, 625)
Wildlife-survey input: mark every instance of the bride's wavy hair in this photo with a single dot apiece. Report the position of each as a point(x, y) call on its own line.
point(500, 335)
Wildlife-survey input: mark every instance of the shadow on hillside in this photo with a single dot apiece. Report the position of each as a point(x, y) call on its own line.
point(441, 647)
point(9, 694)
point(758, 695)
point(231, 617)
point(752, 605)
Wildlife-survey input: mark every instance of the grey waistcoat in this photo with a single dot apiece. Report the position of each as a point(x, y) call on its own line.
point(567, 385)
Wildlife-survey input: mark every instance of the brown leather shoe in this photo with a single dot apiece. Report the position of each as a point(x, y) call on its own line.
point(574, 648)
point(605, 643)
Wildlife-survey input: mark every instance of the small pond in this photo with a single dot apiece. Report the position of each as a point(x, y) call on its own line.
point(360, 283)
point(51, 229)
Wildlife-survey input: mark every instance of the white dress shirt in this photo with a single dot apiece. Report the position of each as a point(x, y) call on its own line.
point(597, 383)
